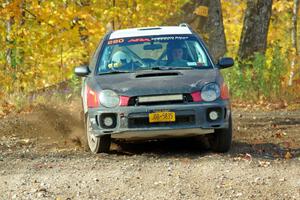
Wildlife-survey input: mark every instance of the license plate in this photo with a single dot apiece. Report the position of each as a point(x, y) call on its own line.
point(162, 117)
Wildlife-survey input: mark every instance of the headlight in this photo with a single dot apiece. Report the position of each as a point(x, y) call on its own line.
point(109, 98)
point(210, 92)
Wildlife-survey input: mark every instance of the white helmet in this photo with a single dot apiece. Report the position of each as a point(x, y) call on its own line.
point(120, 57)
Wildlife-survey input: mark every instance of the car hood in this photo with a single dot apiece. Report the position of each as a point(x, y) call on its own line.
point(157, 82)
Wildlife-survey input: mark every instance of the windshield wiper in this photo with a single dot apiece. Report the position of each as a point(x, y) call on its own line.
point(115, 72)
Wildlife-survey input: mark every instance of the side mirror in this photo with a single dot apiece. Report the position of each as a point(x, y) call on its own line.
point(82, 71)
point(225, 62)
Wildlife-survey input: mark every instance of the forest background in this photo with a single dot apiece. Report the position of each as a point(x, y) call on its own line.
point(42, 41)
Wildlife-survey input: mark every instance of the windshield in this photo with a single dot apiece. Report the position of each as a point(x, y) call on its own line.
point(156, 52)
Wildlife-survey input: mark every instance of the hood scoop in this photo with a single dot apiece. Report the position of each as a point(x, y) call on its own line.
point(157, 74)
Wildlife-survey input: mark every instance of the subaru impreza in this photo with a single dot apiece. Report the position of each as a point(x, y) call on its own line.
point(155, 82)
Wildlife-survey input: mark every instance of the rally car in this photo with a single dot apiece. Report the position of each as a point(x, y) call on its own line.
point(155, 82)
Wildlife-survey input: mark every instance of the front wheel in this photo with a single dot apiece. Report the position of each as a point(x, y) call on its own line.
point(220, 140)
point(97, 144)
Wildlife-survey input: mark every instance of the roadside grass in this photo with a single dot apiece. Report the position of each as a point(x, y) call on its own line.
point(262, 81)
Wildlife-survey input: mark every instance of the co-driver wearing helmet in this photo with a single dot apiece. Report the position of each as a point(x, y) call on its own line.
point(120, 60)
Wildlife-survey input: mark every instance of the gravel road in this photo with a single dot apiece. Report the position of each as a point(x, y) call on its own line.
point(41, 157)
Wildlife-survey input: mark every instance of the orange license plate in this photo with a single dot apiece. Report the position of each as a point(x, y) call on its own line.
point(162, 117)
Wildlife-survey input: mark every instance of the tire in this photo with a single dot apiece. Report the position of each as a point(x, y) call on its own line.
point(220, 140)
point(97, 144)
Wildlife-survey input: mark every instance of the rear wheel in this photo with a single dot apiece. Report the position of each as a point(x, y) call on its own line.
point(97, 144)
point(220, 140)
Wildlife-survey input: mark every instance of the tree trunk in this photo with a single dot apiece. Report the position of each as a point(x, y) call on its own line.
point(295, 49)
point(8, 39)
point(22, 11)
point(114, 18)
point(205, 16)
point(255, 28)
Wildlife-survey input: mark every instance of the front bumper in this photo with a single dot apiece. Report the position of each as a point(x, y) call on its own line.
point(132, 122)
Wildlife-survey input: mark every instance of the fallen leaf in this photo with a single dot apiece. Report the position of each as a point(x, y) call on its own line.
point(288, 155)
point(279, 134)
point(263, 164)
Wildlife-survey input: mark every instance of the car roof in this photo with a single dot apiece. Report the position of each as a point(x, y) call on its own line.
point(150, 31)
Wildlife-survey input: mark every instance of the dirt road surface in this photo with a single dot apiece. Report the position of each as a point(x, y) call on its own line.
point(41, 157)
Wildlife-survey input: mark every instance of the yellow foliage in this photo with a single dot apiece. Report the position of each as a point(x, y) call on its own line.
point(233, 13)
point(201, 11)
point(49, 38)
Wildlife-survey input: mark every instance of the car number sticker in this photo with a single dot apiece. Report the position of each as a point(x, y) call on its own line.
point(115, 41)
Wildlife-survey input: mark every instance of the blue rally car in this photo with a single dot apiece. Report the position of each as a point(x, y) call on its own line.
point(156, 82)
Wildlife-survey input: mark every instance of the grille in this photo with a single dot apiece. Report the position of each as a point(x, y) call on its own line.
point(143, 122)
point(133, 101)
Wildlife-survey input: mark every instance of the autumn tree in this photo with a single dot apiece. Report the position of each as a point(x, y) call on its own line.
point(255, 29)
point(205, 17)
point(42, 41)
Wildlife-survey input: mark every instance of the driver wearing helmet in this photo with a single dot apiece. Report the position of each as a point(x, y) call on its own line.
point(176, 56)
point(120, 60)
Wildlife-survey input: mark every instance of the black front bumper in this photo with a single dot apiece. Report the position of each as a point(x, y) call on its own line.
point(133, 121)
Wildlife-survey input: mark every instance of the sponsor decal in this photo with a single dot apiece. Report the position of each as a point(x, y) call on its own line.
point(166, 38)
point(114, 65)
point(136, 40)
point(191, 64)
point(195, 64)
point(140, 40)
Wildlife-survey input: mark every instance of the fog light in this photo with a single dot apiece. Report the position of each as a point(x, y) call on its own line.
point(108, 121)
point(213, 115)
